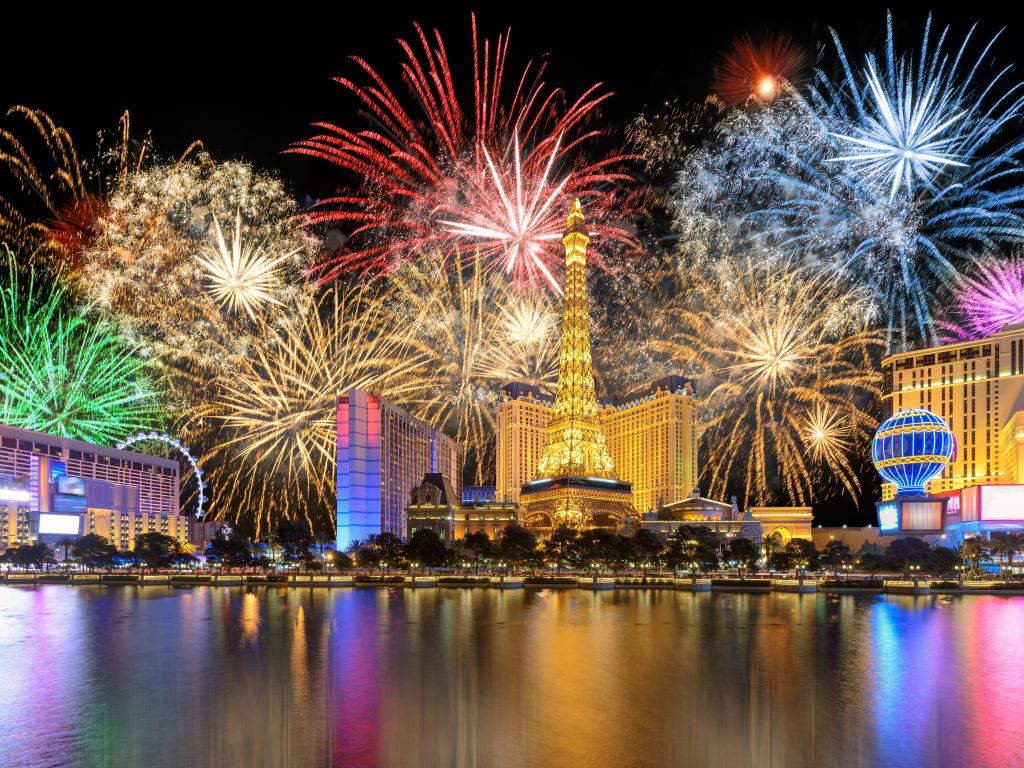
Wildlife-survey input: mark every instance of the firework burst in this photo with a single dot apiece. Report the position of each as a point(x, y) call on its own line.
point(271, 423)
point(988, 298)
point(477, 334)
point(69, 374)
point(242, 275)
point(61, 197)
point(785, 175)
point(431, 175)
point(757, 70)
point(152, 255)
point(786, 364)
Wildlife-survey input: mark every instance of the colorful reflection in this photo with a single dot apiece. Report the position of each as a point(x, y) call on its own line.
point(301, 677)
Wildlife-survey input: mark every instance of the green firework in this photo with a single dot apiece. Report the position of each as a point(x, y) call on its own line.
point(65, 373)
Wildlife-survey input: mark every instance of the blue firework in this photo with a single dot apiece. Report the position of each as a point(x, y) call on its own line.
point(894, 174)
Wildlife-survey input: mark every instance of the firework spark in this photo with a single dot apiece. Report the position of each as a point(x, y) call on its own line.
point(271, 423)
point(68, 374)
point(786, 361)
point(759, 69)
point(62, 197)
point(242, 275)
point(477, 334)
point(143, 265)
point(987, 298)
point(429, 178)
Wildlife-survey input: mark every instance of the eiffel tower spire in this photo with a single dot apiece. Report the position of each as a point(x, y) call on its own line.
point(574, 443)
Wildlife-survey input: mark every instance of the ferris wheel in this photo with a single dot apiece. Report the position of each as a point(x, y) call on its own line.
point(163, 437)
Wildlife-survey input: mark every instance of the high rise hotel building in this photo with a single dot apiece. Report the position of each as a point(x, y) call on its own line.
point(978, 388)
point(651, 435)
point(383, 453)
point(52, 487)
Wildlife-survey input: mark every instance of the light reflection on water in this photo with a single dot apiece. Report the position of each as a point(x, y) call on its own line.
point(127, 676)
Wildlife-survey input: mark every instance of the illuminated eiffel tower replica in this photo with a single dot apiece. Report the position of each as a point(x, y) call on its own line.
point(576, 482)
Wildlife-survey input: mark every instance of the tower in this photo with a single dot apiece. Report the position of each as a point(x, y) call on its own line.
point(576, 483)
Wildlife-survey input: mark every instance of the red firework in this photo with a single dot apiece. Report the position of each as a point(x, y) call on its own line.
point(428, 177)
point(757, 70)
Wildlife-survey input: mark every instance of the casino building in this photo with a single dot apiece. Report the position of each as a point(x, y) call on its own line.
point(976, 389)
point(52, 487)
point(650, 432)
point(383, 453)
point(629, 460)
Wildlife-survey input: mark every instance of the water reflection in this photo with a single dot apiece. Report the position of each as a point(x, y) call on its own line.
point(122, 676)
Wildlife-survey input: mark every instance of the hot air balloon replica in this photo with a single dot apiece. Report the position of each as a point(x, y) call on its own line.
point(909, 449)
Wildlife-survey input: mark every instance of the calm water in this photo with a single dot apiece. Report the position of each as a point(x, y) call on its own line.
point(122, 676)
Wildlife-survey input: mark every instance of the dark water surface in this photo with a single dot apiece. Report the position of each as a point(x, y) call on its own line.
point(226, 677)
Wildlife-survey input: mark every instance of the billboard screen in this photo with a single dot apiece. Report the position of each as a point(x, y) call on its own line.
point(922, 516)
point(60, 524)
point(69, 503)
point(74, 486)
point(14, 494)
point(1002, 502)
point(888, 517)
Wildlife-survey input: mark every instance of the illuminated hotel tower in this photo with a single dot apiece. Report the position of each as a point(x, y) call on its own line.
point(576, 481)
point(977, 388)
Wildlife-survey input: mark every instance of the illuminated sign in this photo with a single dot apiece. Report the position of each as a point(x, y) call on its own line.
point(61, 524)
point(14, 494)
point(71, 485)
point(888, 517)
point(1002, 502)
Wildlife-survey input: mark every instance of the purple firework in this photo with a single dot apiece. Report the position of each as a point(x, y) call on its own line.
point(987, 299)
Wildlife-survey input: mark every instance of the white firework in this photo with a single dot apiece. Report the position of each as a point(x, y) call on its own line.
point(523, 223)
point(909, 134)
point(242, 275)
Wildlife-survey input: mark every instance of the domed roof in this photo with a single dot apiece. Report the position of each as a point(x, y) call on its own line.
point(911, 448)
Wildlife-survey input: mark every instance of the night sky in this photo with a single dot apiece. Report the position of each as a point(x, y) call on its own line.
point(249, 84)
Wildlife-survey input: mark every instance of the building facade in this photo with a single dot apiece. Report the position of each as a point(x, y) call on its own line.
point(383, 452)
point(977, 388)
point(651, 436)
point(51, 487)
point(784, 522)
point(434, 506)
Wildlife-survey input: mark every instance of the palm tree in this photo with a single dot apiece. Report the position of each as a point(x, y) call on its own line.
point(1006, 545)
point(66, 544)
point(770, 542)
point(974, 551)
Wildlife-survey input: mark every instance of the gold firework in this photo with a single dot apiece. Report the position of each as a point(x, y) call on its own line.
point(272, 422)
point(478, 334)
point(243, 275)
point(826, 433)
point(142, 264)
point(786, 356)
point(58, 198)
